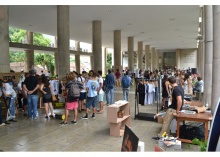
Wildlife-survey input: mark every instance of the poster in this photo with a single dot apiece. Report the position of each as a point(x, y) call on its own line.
point(130, 141)
point(15, 77)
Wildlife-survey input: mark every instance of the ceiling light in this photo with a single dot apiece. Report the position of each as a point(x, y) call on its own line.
point(108, 10)
point(199, 29)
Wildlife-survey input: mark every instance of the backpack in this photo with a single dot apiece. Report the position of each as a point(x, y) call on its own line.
point(125, 82)
point(73, 92)
point(104, 86)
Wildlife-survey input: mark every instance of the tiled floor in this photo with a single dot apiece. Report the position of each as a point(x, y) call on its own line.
point(90, 135)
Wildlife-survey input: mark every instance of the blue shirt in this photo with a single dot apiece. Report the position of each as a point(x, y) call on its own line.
point(110, 81)
point(92, 86)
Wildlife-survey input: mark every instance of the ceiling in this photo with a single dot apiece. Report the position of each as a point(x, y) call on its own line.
point(165, 27)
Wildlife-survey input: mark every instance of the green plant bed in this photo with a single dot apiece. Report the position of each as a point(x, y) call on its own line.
point(202, 144)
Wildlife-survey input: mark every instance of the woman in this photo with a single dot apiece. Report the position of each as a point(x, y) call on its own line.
point(179, 77)
point(117, 76)
point(165, 90)
point(46, 89)
point(187, 84)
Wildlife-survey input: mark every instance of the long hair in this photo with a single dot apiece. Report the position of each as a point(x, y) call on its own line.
point(45, 81)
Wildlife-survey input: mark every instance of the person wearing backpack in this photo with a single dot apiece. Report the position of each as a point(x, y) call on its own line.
point(73, 88)
point(126, 82)
point(82, 97)
point(110, 81)
point(92, 87)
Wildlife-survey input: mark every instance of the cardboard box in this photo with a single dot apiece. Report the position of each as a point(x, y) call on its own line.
point(160, 119)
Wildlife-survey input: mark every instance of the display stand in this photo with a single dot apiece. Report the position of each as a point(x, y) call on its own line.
point(142, 115)
point(117, 125)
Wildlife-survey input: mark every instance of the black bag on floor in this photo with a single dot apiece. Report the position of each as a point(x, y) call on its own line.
point(188, 97)
point(194, 130)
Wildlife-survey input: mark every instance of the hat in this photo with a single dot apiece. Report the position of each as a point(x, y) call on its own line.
point(32, 71)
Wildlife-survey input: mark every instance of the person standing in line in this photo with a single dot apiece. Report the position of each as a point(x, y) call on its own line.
point(82, 97)
point(72, 102)
point(126, 82)
point(92, 87)
point(117, 76)
point(46, 89)
point(24, 95)
point(110, 81)
point(31, 85)
point(100, 92)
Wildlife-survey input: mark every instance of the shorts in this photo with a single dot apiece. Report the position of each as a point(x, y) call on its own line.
point(24, 101)
point(100, 97)
point(71, 105)
point(91, 101)
point(82, 96)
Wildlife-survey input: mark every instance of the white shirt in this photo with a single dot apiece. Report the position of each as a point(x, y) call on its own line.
point(82, 79)
point(100, 80)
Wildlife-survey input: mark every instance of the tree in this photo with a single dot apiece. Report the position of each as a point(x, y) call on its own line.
point(109, 61)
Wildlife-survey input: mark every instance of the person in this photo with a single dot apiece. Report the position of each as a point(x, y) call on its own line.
point(174, 108)
point(165, 91)
point(100, 92)
point(82, 97)
point(187, 84)
point(117, 76)
point(10, 94)
point(24, 95)
point(71, 102)
point(1, 123)
point(42, 73)
point(126, 82)
point(46, 90)
point(92, 87)
point(110, 87)
point(31, 85)
point(199, 85)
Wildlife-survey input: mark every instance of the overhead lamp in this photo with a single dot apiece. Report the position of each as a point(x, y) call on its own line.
point(200, 19)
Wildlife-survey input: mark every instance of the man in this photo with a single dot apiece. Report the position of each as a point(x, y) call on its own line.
point(31, 85)
point(174, 108)
point(110, 81)
point(126, 82)
point(92, 87)
point(82, 97)
point(100, 92)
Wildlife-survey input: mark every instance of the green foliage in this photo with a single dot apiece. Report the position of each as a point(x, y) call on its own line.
point(109, 61)
point(40, 40)
point(202, 144)
point(16, 35)
point(17, 56)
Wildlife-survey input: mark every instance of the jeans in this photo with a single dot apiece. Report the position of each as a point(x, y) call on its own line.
point(32, 105)
point(12, 107)
point(0, 112)
point(110, 96)
point(156, 93)
point(125, 93)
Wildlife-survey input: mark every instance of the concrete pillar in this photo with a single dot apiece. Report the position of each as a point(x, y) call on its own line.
point(131, 53)
point(4, 39)
point(140, 55)
point(152, 59)
point(96, 46)
point(56, 56)
point(162, 60)
point(216, 57)
point(29, 53)
point(202, 57)
point(147, 57)
point(105, 61)
point(157, 59)
point(92, 62)
point(117, 49)
point(178, 58)
point(77, 57)
point(208, 54)
point(63, 40)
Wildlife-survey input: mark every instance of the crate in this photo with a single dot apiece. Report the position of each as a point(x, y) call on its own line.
point(59, 105)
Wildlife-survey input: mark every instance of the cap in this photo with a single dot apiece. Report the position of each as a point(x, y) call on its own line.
point(32, 71)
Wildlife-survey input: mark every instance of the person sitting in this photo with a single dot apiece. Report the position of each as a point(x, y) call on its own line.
point(199, 85)
point(174, 108)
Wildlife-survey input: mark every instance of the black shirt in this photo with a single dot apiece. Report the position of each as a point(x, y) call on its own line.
point(31, 82)
point(177, 91)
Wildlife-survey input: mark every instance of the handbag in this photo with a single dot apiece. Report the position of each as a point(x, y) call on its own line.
point(54, 97)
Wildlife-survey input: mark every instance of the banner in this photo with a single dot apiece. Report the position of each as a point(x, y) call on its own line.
point(15, 77)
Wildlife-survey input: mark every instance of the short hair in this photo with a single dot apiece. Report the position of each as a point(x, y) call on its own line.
point(93, 75)
point(100, 72)
point(109, 71)
point(83, 72)
point(199, 78)
point(172, 79)
point(71, 76)
point(126, 73)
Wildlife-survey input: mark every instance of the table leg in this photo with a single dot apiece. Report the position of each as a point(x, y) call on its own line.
point(206, 130)
point(177, 127)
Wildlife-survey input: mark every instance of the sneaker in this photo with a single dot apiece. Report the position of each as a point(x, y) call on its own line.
point(85, 117)
point(93, 115)
point(13, 120)
point(73, 122)
point(63, 123)
point(46, 117)
point(2, 124)
point(156, 138)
